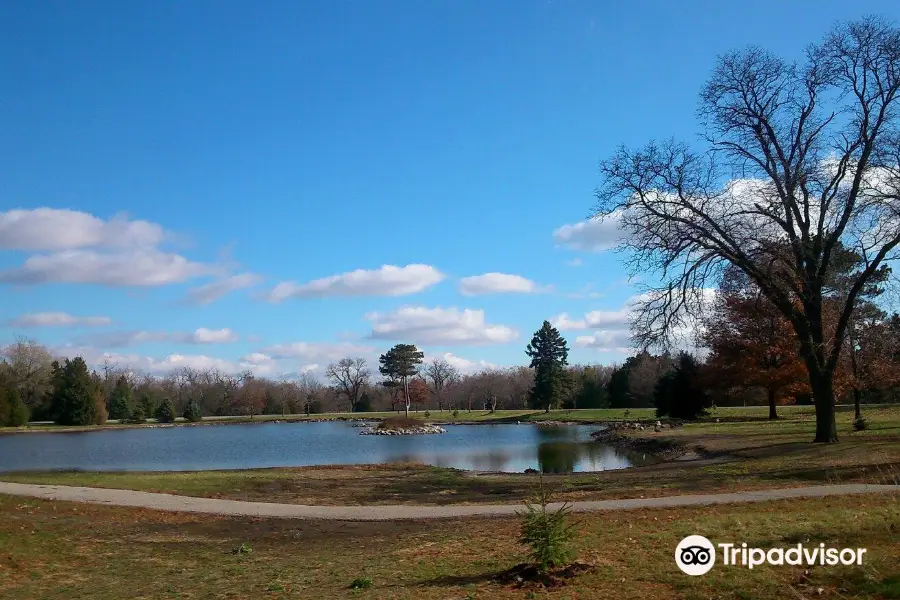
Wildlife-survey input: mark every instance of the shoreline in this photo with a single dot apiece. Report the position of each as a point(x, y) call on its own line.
point(281, 421)
point(663, 449)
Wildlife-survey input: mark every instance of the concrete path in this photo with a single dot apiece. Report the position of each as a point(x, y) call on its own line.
point(216, 506)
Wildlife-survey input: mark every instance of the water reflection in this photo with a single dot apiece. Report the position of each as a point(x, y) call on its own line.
point(558, 457)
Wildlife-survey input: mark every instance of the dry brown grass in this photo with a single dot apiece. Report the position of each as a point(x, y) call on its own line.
point(57, 550)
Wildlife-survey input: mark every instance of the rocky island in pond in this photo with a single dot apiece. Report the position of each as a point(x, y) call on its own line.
point(402, 426)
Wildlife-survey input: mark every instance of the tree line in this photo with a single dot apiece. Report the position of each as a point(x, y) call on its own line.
point(746, 355)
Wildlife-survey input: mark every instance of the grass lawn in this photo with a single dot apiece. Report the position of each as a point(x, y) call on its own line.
point(731, 455)
point(67, 551)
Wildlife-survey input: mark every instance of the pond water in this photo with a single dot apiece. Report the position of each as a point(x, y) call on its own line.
point(507, 447)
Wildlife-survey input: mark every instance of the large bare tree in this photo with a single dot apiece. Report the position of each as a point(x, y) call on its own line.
point(440, 375)
point(30, 365)
point(349, 376)
point(800, 159)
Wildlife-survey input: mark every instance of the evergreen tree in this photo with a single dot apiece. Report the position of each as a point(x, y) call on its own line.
point(679, 394)
point(137, 414)
point(549, 353)
point(365, 403)
point(146, 403)
point(593, 394)
point(14, 410)
point(192, 411)
point(165, 412)
point(399, 364)
point(74, 395)
point(120, 400)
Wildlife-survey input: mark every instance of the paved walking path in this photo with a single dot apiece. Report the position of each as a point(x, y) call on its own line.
point(217, 506)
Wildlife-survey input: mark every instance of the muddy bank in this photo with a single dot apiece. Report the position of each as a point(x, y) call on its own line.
point(622, 435)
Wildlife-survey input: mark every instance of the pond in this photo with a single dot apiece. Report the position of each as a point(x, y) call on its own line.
point(506, 447)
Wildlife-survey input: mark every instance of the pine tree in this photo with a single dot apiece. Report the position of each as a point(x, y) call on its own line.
point(399, 364)
point(74, 395)
point(146, 403)
point(549, 353)
point(15, 411)
point(120, 400)
point(679, 393)
point(165, 412)
point(192, 412)
point(138, 415)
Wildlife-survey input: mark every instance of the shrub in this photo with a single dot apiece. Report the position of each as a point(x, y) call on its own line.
point(165, 412)
point(455, 413)
point(361, 583)
point(427, 414)
point(546, 532)
point(400, 423)
point(316, 408)
point(242, 549)
point(192, 411)
point(138, 415)
point(860, 423)
point(13, 412)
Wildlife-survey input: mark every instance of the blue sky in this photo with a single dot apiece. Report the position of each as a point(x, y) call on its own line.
point(165, 166)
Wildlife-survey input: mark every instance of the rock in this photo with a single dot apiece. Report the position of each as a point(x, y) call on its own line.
point(423, 430)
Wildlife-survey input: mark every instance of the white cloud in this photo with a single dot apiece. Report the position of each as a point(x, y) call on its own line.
point(210, 292)
point(388, 280)
point(77, 247)
point(593, 235)
point(213, 336)
point(497, 283)
point(563, 322)
point(63, 229)
point(423, 326)
point(120, 339)
point(575, 262)
point(141, 267)
point(58, 319)
point(464, 365)
point(316, 352)
point(593, 319)
point(171, 362)
point(607, 341)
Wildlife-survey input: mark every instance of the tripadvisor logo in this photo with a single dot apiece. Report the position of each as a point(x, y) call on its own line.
point(696, 555)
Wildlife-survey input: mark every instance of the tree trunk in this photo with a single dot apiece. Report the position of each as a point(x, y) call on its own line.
point(821, 379)
point(823, 397)
point(773, 413)
point(854, 367)
point(406, 392)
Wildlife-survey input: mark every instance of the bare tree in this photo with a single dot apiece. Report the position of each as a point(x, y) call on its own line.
point(440, 375)
point(30, 365)
point(311, 389)
point(349, 376)
point(800, 160)
point(521, 380)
